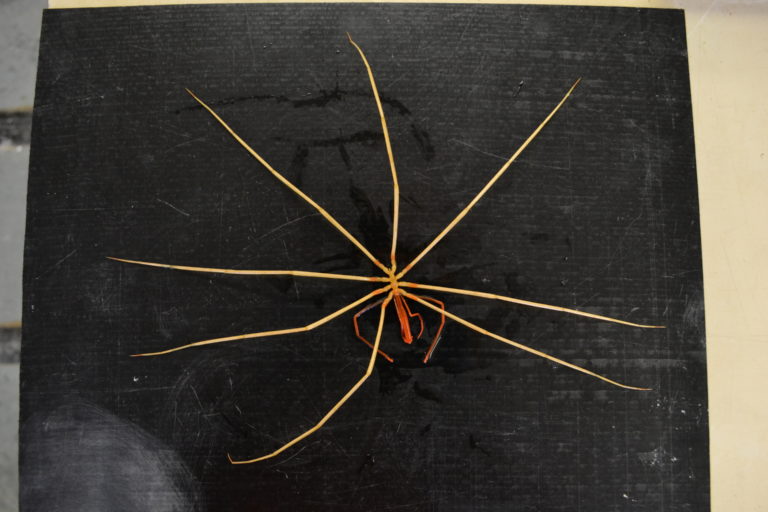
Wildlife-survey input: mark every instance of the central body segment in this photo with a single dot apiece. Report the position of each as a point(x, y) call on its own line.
point(404, 313)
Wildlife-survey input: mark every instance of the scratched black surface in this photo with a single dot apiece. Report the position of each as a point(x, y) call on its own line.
point(600, 213)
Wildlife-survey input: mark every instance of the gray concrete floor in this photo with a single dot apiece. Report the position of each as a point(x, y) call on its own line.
point(19, 34)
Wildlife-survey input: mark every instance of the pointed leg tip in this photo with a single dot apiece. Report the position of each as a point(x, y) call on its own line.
point(251, 461)
point(240, 462)
point(573, 87)
point(196, 98)
point(152, 354)
point(635, 388)
point(428, 355)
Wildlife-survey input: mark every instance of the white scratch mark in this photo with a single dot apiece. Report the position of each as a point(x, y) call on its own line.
point(478, 149)
point(286, 224)
point(62, 260)
point(175, 208)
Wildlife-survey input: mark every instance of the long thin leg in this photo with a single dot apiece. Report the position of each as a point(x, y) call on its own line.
point(290, 185)
point(296, 273)
point(488, 185)
point(395, 185)
point(338, 405)
point(436, 339)
point(265, 334)
point(524, 303)
point(357, 328)
point(479, 329)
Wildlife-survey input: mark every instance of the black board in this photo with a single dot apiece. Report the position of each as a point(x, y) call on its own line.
point(599, 214)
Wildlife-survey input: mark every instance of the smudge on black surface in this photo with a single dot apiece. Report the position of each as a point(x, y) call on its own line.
point(134, 470)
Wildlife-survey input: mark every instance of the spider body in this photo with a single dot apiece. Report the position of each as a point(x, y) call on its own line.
point(404, 316)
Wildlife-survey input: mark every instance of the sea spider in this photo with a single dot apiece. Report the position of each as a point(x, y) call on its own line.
point(394, 289)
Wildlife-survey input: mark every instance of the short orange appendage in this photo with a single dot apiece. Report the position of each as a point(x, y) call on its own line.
point(404, 315)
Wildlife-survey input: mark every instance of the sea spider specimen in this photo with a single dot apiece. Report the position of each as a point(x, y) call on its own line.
point(395, 289)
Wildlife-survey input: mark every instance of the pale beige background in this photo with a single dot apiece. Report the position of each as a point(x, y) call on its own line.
point(728, 52)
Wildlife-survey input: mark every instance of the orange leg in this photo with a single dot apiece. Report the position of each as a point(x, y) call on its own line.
point(338, 405)
point(479, 329)
point(417, 315)
point(403, 316)
point(436, 339)
point(360, 336)
point(487, 186)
